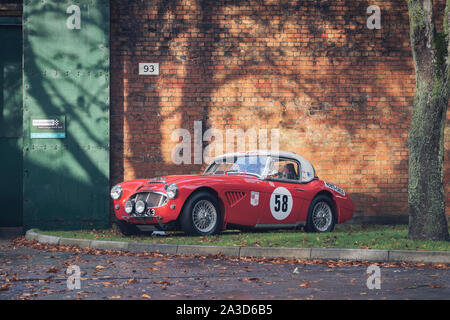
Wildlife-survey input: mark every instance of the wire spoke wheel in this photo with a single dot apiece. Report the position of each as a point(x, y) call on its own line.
point(204, 216)
point(322, 216)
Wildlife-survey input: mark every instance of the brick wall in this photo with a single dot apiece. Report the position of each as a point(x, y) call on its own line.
point(340, 93)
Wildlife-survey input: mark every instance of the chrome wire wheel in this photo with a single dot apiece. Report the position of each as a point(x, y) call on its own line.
point(322, 216)
point(204, 216)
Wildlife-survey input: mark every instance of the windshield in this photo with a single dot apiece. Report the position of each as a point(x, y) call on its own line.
point(253, 165)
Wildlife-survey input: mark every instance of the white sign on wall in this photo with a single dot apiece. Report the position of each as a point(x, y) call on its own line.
point(149, 69)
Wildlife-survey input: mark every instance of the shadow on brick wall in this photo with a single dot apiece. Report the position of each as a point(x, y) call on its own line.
point(340, 93)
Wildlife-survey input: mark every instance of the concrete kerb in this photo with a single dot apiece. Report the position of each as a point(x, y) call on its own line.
point(109, 245)
point(350, 254)
point(287, 253)
point(31, 235)
point(152, 247)
point(431, 257)
point(82, 243)
point(213, 250)
point(42, 238)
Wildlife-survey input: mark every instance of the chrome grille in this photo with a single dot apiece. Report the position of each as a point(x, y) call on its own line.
point(153, 199)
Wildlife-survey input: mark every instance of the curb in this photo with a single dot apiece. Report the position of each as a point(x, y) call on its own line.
point(428, 257)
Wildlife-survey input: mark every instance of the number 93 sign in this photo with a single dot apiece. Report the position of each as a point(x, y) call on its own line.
point(281, 203)
point(149, 69)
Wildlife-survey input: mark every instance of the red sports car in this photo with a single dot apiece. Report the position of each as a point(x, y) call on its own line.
point(259, 189)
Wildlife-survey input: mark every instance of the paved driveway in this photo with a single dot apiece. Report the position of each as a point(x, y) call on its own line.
point(41, 274)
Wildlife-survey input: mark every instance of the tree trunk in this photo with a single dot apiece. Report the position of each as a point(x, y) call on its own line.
point(426, 198)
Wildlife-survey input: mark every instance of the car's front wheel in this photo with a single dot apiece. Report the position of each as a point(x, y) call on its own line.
point(321, 215)
point(201, 215)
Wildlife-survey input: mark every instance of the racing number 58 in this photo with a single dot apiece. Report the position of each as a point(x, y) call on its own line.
point(281, 203)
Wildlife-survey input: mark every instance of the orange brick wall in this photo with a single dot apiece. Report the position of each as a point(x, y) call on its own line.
point(339, 93)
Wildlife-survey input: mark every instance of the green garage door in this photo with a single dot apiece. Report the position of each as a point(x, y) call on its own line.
point(10, 123)
point(66, 114)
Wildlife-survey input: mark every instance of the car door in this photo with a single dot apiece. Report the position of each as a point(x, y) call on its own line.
point(282, 190)
point(244, 199)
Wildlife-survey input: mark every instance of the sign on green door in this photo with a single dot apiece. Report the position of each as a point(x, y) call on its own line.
point(52, 128)
point(66, 114)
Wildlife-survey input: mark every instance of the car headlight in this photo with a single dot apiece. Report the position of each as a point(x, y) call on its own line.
point(129, 206)
point(116, 192)
point(172, 191)
point(140, 207)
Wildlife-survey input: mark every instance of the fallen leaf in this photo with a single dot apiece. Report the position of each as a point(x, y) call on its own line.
point(145, 296)
point(132, 280)
point(108, 283)
point(248, 279)
point(305, 284)
point(52, 270)
point(5, 287)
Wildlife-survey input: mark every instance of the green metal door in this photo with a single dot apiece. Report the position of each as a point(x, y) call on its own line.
point(10, 124)
point(66, 114)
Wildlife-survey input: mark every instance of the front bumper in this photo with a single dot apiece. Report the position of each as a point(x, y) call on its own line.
point(165, 213)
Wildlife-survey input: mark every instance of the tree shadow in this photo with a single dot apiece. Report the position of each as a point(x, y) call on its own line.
point(66, 74)
point(340, 93)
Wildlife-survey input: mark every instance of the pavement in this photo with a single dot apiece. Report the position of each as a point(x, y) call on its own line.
point(39, 272)
point(408, 256)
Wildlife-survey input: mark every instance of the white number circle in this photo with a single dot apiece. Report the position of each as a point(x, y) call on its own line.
point(281, 203)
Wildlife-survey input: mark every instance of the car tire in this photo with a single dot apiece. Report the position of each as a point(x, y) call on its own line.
point(321, 215)
point(127, 229)
point(201, 215)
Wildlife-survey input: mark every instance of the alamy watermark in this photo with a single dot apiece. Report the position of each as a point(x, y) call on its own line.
point(74, 280)
point(374, 20)
point(74, 20)
point(374, 277)
point(192, 149)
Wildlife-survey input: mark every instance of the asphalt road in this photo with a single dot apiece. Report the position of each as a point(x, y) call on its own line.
point(27, 273)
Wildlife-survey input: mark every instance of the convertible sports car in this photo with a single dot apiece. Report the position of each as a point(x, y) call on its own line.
point(258, 189)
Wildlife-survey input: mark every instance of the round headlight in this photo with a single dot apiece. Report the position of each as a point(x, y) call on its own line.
point(140, 207)
point(172, 191)
point(116, 192)
point(129, 206)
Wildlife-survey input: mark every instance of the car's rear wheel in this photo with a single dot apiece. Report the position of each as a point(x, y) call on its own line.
point(321, 215)
point(201, 215)
point(126, 228)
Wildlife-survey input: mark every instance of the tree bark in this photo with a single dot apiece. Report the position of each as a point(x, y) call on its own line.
point(426, 197)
